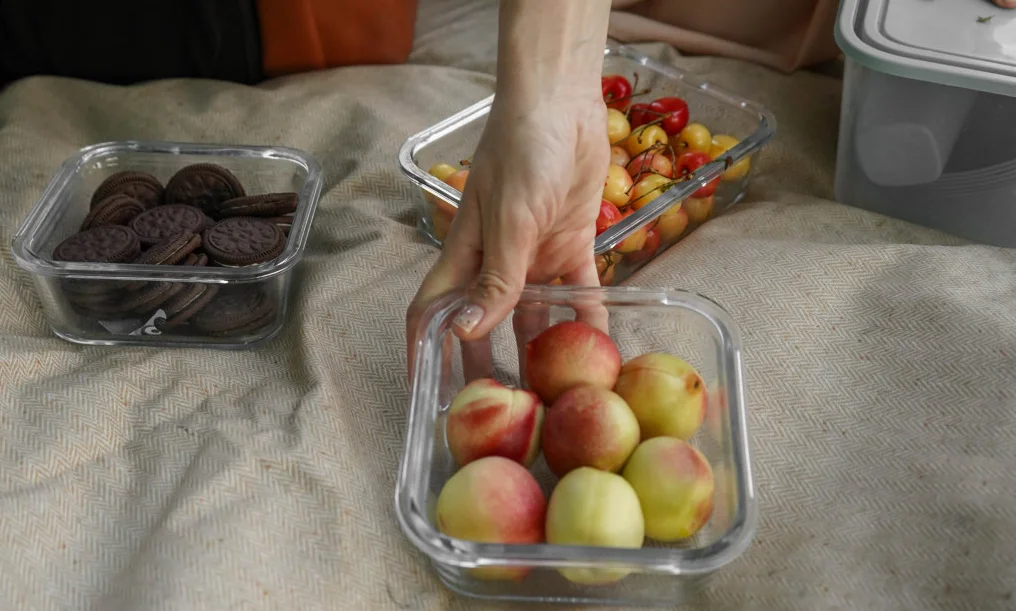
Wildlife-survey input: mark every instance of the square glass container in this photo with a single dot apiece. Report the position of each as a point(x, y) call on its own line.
point(65, 288)
point(454, 139)
point(639, 321)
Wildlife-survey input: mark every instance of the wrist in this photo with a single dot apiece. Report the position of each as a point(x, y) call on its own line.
point(549, 49)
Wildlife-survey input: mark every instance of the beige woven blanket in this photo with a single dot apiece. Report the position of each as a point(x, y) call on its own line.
point(880, 357)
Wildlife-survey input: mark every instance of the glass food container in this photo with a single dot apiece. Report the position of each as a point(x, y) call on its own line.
point(640, 321)
point(667, 211)
point(130, 304)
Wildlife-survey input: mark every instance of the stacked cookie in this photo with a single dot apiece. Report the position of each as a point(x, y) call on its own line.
point(203, 216)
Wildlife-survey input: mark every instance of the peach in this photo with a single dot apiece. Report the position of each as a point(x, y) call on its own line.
point(672, 223)
point(487, 418)
point(666, 394)
point(596, 508)
point(441, 171)
point(569, 354)
point(493, 500)
point(699, 208)
point(588, 426)
point(674, 483)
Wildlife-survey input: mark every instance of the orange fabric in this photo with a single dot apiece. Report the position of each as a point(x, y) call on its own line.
point(305, 35)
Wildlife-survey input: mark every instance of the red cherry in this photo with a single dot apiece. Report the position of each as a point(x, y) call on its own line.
point(675, 114)
point(616, 87)
point(690, 161)
point(648, 250)
point(609, 216)
point(641, 114)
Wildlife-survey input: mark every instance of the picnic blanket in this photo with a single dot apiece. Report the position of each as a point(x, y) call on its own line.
point(880, 360)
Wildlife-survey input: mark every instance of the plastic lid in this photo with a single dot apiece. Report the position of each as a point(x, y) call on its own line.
point(965, 43)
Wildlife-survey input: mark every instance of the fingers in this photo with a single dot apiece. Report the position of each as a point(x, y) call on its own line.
point(528, 322)
point(588, 310)
point(507, 248)
point(1005, 3)
point(454, 268)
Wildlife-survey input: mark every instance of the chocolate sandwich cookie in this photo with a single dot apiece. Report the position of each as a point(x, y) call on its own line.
point(117, 209)
point(167, 221)
point(285, 223)
point(203, 185)
point(196, 260)
point(150, 297)
point(241, 240)
point(235, 312)
point(186, 304)
point(142, 186)
point(102, 244)
point(269, 204)
point(170, 251)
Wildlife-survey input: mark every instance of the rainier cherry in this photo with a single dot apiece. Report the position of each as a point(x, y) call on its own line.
point(648, 249)
point(687, 163)
point(649, 162)
point(617, 185)
point(633, 242)
point(723, 143)
point(616, 91)
point(617, 126)
point(619, 156)
point(696, 137)
point(644, 138)
point(609, 216)
point(647, 189)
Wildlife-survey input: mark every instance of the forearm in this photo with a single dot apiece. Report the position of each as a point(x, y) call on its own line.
point(548, 48)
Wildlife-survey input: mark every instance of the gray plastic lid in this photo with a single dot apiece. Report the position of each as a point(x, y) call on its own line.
point(964, 43)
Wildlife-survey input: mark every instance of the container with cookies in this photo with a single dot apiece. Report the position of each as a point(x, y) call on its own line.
point(170, 244)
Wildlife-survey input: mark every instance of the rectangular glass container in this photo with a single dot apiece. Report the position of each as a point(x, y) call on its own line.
point(639, 321)
point(454, 139)
point(65, 202)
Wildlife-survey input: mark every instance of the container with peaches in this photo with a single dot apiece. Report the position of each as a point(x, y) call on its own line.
point(593, 449)
point(682, 151)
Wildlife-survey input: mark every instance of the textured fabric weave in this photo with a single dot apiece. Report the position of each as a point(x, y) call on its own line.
point(880, 358)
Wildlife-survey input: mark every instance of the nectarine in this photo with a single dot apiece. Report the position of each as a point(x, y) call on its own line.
point(487, 418)
point(570, 354)
point(588, 426)
point(674, 483)
point(666, 394)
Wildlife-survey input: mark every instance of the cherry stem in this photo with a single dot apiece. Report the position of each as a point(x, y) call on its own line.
point(631, 95)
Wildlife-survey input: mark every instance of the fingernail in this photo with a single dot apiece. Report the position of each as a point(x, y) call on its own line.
point(469, 317)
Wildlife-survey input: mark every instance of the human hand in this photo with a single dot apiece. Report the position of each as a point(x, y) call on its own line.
point(528, 211)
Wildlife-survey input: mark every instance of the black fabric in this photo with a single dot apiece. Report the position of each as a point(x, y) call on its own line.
point(127, 41)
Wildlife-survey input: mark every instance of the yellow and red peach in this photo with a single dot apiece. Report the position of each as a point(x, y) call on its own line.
point(595, 508)
point(493, 500)
point(487, 418)
point(674, 483)
point(588, 426)
point(569, 354)
point(666, 394)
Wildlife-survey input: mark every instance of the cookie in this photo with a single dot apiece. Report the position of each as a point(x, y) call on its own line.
point(203, 185)
point(166, 221)
point(236, 311)
point(285, 223)
point(102, 244)
point(242, 240)
point(196, 260)
point(170, 251)
point(187, 304)
point(150, 297)
point(269, 204)
point(117, 209)
point(142, 186)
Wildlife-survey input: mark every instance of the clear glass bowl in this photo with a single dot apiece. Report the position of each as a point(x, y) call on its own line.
point(453, 141)
point(65, 202)
point(640, 321)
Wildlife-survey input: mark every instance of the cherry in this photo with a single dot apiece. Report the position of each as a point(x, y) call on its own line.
point(648, 188)
point(616, 186)
point(691, 161)
point(634, 241)
point(644, 138)
point(619, 156)
point(648, 249)
point(616, 91)
point(640, 114)
point(653, 161)
point(608, 217)
point(605, 269)
point(617, 126)
point(675, 114)
point(672, 223)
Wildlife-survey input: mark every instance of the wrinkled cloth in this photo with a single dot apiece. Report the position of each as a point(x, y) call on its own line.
point(880, 363)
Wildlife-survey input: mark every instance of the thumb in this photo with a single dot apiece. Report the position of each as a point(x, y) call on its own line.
point(506, 255)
